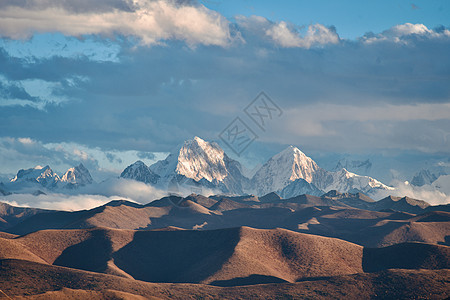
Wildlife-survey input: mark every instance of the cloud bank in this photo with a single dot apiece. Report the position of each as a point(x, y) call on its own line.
point(150, 21)
point(88, 197)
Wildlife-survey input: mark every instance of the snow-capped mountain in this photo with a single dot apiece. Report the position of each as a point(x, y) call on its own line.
point(283, 171)
point(286, 167)
point(196, 159)
point(42, 175)
point(196, 164)
point(141, 172)
point(299, 187)
point(345, 181)
point(38, 177)
point(199, 164)
point(77, 176)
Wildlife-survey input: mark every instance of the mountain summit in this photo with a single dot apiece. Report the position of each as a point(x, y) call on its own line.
point(141, 172)
point(291, 173)
point(78, 175)
point(196, 159)
point(284, 168)
point(196, 164)
point(41, 175)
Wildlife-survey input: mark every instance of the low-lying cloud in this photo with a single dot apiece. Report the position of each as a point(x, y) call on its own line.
point(88, 197)
point(57, 201)
point(428, 193)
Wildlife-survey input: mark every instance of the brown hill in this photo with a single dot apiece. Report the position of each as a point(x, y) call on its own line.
point(12, 215)
point(404, 204)
point(372, 229)
point(116, 214)
point(357, 200)
point(406, 256)
point(12, 249)
point(386, 233)
point(193, 256)
point(270, 197)
point(326, 216)
point(30, 280)
point(225, 204)
point(221, 257)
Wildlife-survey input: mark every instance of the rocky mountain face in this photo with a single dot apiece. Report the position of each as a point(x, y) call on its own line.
point(425, 176)
point(284, 168)
point(78, 176)
point(199, 164)
point(283, 171)
point(299, 187)
point(345, 181)
point(41, 175)
point(141, 172)
point(45, 177)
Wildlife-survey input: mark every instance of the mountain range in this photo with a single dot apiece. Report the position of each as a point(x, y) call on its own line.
point(45, 177)
point(199, 164)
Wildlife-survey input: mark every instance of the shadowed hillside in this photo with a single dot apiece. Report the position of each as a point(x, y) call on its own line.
point(330, 215)
point(225, 257)
point(39, 281)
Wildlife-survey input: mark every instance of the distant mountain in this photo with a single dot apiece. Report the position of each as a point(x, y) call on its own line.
point(139, 171)
point(3, 191)
point(77, 176)
point(44, 177)
point(292, 173)
point(41, 175)
point(442, 184)
point(345, 181)
point(429, 176)
point(286, 167)
point(195, 165)
point(199, 164)
point(299, 187)
point(355, 166)
point(424, 177)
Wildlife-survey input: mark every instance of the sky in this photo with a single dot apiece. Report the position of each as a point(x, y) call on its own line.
point(109, 82)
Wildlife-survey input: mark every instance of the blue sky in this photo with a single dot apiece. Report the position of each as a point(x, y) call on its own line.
point(110, 82)
point(352, 18)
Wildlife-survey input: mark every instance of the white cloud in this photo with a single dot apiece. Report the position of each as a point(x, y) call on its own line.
point(57, 201)
point(25, 141)
point(150, 21)
point(400, 33)
point(125, 188)
point(316, 35)
point(89, 196)
point(428, 193)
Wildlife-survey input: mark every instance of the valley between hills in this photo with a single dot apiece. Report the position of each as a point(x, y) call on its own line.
point(339, 245)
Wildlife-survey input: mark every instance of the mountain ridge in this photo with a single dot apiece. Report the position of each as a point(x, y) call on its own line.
point(198, 164)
